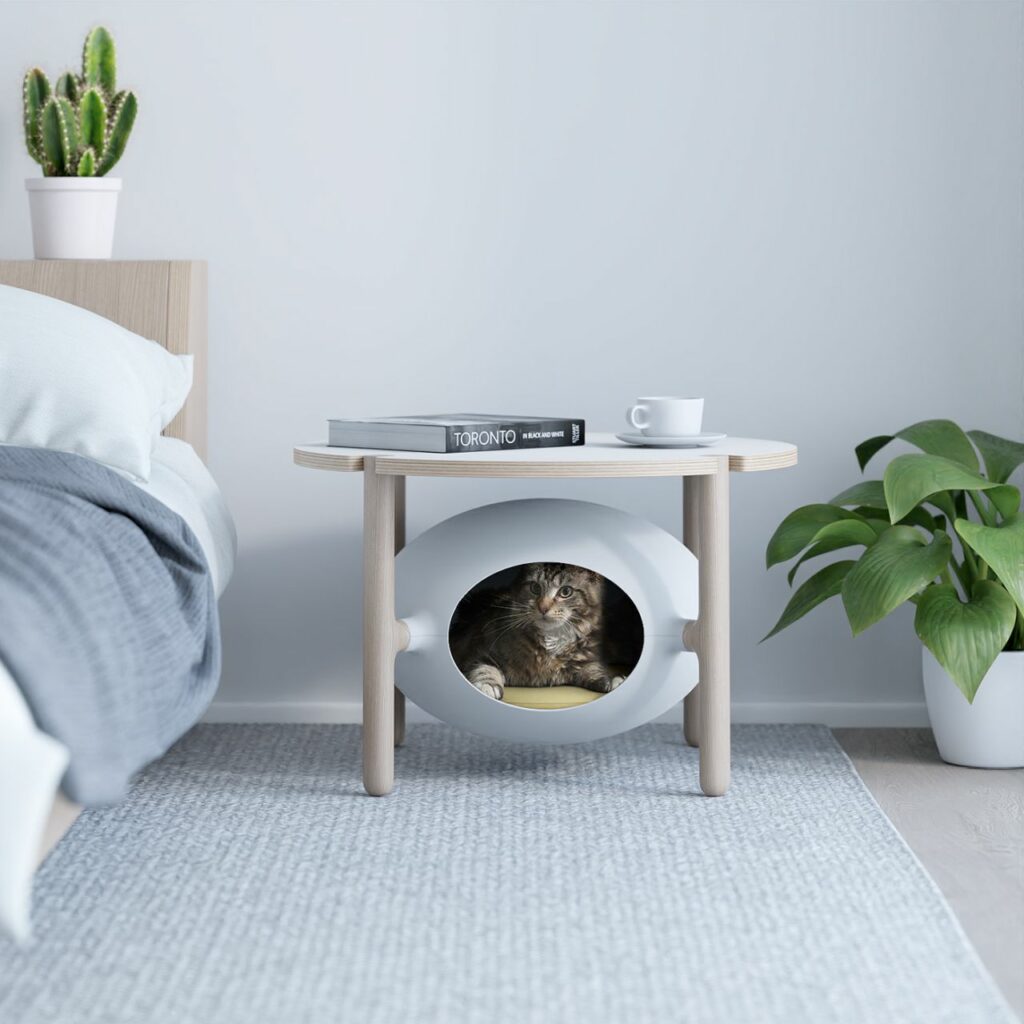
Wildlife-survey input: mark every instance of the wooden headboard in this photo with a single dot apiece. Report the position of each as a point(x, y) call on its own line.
point(164, 300)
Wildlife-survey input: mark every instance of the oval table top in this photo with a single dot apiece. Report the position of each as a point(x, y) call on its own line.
point(602, 456)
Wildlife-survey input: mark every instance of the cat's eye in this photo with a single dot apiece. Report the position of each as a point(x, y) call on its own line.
point(535, 589)
point(565, 591)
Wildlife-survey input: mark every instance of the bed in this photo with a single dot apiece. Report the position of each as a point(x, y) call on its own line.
point(164, 301)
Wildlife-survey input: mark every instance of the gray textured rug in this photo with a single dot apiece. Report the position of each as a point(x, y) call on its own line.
point(247, 879)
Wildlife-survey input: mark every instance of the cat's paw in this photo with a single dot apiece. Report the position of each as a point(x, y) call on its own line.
point(601, 683)
point(489, 681)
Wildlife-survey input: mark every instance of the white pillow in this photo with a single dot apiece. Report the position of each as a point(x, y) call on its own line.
point(76, 382)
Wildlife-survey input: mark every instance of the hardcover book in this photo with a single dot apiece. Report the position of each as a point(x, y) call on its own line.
point(456, 432)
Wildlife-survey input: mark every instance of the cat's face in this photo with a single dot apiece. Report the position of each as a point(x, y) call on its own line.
point(556, 594)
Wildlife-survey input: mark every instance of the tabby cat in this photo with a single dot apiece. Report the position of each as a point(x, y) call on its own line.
point(543, 630)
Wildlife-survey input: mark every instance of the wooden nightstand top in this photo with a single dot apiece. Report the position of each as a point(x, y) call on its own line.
point(602, 456)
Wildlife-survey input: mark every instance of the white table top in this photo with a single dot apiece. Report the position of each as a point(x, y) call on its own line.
point(602, 456)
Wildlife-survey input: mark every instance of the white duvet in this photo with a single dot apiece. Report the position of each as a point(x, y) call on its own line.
point(32, 763)
point(179, 479)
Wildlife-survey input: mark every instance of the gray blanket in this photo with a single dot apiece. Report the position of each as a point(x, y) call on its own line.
point(108, 620)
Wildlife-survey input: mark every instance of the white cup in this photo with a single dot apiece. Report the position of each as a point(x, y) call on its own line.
point(666, 417)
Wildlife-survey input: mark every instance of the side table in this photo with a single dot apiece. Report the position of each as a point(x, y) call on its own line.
point(705, 475)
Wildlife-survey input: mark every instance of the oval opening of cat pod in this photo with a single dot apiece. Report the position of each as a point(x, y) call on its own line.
point(546, 636)
point(437, 571)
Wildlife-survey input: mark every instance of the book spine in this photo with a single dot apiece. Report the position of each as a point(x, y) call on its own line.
point(515, 435)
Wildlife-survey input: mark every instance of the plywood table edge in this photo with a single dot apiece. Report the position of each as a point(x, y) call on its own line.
point(396, 465)
point(538, 470)
point(340, 463)
point(759, 463)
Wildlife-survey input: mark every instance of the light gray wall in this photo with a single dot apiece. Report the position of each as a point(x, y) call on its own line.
point(808, 212)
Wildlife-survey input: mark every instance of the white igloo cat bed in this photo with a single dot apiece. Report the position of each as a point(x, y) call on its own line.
point(442, 565)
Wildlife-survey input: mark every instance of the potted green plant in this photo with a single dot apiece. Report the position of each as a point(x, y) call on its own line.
point(77, 131)
point(942, 530)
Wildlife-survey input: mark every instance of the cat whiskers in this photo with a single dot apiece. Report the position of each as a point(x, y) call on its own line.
point(517, 617)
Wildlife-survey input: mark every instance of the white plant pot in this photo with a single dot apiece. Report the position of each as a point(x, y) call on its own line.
point(988, 733)
point(73, 218)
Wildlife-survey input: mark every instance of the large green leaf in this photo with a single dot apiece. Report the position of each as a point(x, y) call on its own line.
point(870, 494)
point(821, 548)
point(841, 534)
point(934, 437)
point(820, 587)
point(1001, 456)
point(892, 570)
point(911, 479)
point(797, 530)
point(1006, 498)
point(866, 449)
point(849, 531)
point(944, 501)
point(866, 492)
point(965, 638)
point(915, 517)
point(1003, 548)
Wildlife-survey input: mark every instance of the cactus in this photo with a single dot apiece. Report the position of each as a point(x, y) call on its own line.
point(59, 138)
point(81, 126)
point(99, 61)
point(122, 117)
point(67, 86)
point(35, 93)
point(92, 119)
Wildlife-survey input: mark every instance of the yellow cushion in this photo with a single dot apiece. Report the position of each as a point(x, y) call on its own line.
point(549, 698)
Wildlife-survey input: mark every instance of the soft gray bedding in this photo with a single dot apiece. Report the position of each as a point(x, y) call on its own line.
point(108, 620)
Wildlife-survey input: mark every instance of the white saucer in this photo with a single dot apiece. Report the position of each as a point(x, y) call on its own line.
point(683, 441)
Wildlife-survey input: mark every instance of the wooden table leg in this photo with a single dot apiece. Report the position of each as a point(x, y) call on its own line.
point(399, 544)
point(691, 537)
point(713, 631)
point(379, 630)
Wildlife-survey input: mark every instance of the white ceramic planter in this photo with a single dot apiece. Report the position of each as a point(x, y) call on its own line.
point(988, 733)
point(73, 218)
